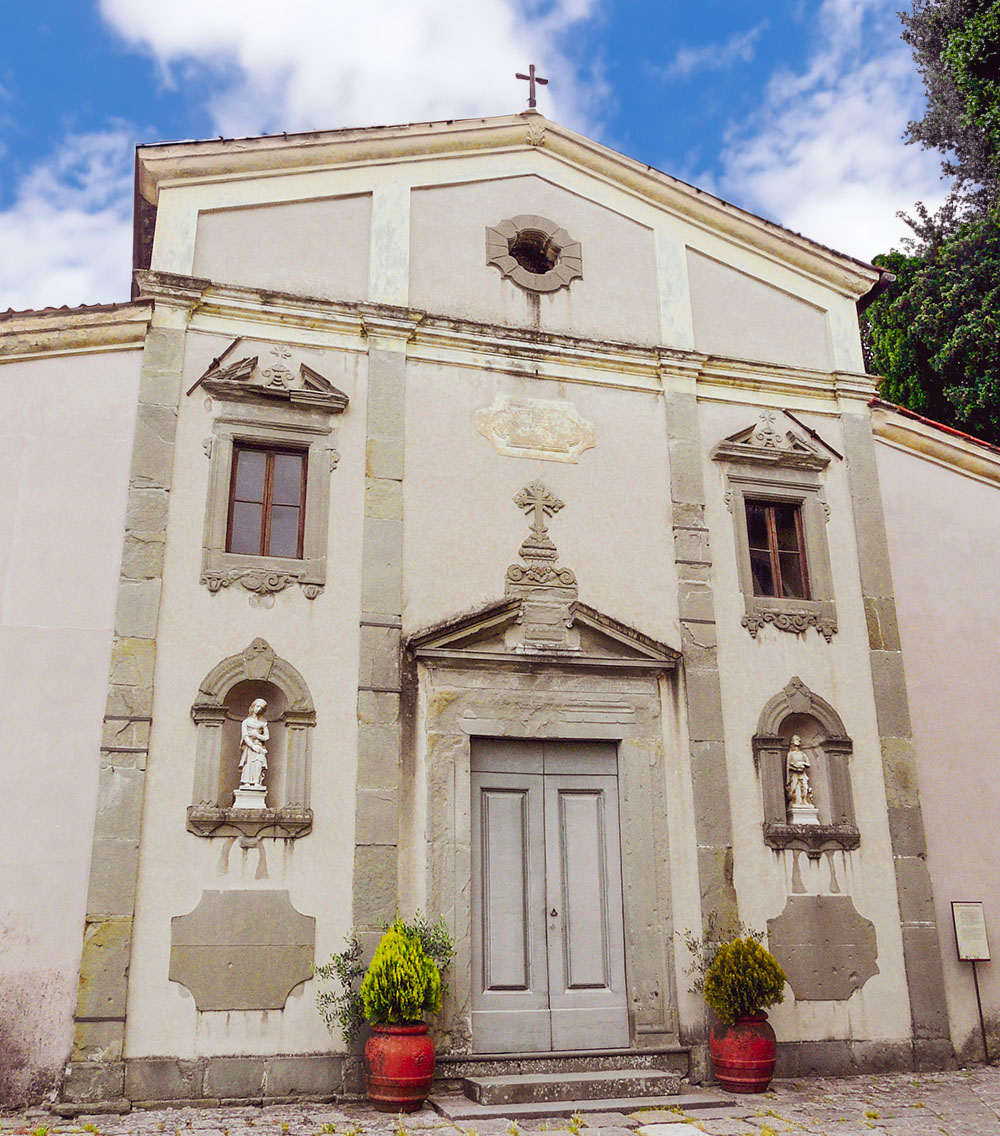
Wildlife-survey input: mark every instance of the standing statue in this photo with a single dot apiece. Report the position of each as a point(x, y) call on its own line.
point(253, 748)
point(797, 788)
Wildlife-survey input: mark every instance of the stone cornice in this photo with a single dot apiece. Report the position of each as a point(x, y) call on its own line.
point(69, 331)
point(935, 443)
point(221, 160)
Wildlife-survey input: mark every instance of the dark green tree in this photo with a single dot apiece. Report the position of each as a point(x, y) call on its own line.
point(956, 47)
point(933, 334)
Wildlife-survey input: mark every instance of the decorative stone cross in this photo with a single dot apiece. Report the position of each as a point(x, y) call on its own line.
point(532, 80)
point(537, 501)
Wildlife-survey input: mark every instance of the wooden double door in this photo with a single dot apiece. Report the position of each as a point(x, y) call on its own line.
point(548, 970)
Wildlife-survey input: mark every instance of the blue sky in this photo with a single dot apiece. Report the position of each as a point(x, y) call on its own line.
point(794, 109)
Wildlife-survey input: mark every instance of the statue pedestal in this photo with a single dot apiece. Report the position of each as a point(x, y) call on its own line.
point(249, 798)
point(803, 814)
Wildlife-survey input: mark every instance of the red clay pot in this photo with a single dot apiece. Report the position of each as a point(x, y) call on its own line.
point(399, 1066)
point(744, 1053)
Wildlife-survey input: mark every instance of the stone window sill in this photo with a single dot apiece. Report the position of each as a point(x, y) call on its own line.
point(813, 839)
point(249, 824)
point(796, 616)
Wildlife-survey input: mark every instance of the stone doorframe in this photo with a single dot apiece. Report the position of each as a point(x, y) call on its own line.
point(548, 699)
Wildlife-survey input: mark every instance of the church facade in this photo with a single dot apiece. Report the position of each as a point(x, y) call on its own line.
point(543, 502)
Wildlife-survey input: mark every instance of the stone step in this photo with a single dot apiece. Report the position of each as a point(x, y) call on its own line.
point(460, 1109)
point(604, 1084)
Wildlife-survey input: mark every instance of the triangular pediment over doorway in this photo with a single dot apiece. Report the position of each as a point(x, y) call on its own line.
point(492, 634)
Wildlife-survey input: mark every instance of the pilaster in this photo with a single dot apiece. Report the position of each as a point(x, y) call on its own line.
point(379, 683)
point(921, 956)
point(702, 690)
point(96, 1070)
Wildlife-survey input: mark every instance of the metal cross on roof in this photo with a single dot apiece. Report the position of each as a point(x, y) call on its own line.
point(532, 80)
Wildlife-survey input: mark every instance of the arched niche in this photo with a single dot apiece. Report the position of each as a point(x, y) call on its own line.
point(797, 710)
point(224, 697)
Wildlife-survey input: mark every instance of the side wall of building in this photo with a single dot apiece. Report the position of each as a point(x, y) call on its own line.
point(65, 444)
point(943, 519)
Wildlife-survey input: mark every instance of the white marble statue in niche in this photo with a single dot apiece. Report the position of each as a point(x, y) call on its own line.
point(798, 791)
point(254, 736)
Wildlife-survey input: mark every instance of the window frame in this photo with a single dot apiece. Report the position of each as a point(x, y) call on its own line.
point(255, 427)
point(774, 551)
point(267, 501)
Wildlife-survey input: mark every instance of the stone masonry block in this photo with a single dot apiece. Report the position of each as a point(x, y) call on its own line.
point(159, 387)
point(899, 768)
point(883, 629)
point(382, 570)
point(377, 817)
point(378, 757)
point(119, 803)
point(374, 884)
point(694, 600)
point(377, 708)
point(153, 449)
point(715, 876)
point(384, 499)
point(686, 482)
point(163, 351)
point(704, 704)
point(98, 1042)
point(916, 902)
point(138, 608)
point(146, 510)
point(690, 544)
point(925, 978)
point(386, 393)
point(142, 555)
point(92, 1081)
point(688, 513)
point(906, 829)
point(235, 1077)
point(711, 797)
point(698, 643)
point(380, 650)
point(384, 458)
point(891, 705)
point(123, 733)
point(113, 869)
point(304, 1075)
point(163, 1078)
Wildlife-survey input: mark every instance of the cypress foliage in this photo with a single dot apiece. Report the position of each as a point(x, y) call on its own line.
point(743, 978)
point(402, 982)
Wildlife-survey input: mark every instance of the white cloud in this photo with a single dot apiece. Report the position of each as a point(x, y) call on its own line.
point(67, 236)
point(739, 48)
point(825, 156)
point(321, 64)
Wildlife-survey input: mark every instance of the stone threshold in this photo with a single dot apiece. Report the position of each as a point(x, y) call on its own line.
point(458, 1107)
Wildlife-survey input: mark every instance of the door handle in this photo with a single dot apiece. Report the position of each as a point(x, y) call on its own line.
point(553, 913)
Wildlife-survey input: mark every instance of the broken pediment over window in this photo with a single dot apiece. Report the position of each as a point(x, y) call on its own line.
point(774, 440)
point(273, 374)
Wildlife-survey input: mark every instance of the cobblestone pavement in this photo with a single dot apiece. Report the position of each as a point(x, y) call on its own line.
point(963, 1103)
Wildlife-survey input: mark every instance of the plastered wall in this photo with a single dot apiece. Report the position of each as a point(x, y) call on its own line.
point(197, 630)
point(65, 445)
point(755, 669)
point(944, 544)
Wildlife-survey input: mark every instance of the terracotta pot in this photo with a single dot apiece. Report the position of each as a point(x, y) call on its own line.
point(399, 1066)
point(744, 1054)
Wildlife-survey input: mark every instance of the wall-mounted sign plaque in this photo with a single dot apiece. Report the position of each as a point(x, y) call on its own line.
point(970, 932)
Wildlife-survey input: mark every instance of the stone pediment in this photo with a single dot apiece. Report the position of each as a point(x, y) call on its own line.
point(495, 634)
point(272, 376)
point(767, 442)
